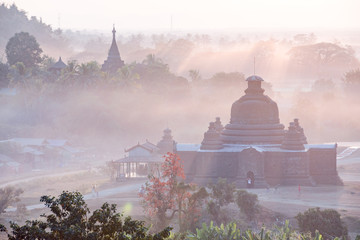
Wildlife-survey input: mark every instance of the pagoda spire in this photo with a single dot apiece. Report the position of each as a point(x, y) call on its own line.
point(113, 61)
point(113, 32)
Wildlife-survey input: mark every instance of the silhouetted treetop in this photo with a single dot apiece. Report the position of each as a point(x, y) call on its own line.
point(23, 47)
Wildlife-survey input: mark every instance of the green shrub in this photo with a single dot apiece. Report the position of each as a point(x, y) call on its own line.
point(248, 203)
point(327, 222)
point(221, 194)
point(228, 231)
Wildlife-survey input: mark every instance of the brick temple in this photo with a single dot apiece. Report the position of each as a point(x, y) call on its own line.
point(255, 150)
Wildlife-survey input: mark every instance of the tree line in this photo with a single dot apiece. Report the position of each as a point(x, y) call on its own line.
point(27, 65)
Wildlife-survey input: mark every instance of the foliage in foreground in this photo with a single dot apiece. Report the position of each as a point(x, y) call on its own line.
point(248, 203)
point(327, 222)
point(69, 220)
point(230, 231)
point(221, 194)
point(167, 196)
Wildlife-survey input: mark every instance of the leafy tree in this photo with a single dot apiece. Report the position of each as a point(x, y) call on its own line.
point(13, 19)
point(323, 59)
point(88, 74)
point(153, 72)
point(89, 69)
point(8, 196)
point(4, 70)
point(2, 228)
point(327, 222)
point(352, 78)
point(189, 205)
point(194, 75)
point(125, 77)
point(159, 193)
point(23, 47)
point(164, 196)
point(154, 76)
point(247, 202)
point(70, 74)
point(69, 220)
point(303, 39)
point(221, 194)
point(156, 64)
point(223, 79)
point(322, 53)
point(19, 75)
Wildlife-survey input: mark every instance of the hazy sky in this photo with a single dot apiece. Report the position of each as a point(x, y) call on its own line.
point(195, 14)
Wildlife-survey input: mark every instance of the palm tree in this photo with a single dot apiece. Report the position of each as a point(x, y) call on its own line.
point(155, 63)
point(89, 73)
point(125, 77)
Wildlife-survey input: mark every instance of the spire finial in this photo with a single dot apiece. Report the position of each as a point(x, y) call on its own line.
point(114, 31)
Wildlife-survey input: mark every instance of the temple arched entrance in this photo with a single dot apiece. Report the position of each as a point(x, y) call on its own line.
point(250, 179)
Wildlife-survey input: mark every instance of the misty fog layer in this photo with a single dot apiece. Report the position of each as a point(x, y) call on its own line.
point(115, 119)
point(196, 78)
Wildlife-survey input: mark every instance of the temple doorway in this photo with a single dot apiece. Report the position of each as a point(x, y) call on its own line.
point(250, 179)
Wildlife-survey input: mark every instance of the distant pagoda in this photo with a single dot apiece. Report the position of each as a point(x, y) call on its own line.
point(57, 67)
point(113, 61)
point(167, 143)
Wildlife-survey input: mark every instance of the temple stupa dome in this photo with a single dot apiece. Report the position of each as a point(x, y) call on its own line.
point(254, 78)
point(254, 118)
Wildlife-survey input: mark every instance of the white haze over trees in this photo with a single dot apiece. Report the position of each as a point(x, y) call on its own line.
point(198, 76)
point(180, 73)
point(176, 15)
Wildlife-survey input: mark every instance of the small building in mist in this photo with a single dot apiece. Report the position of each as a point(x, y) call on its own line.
point(113, 61)
point(57, 67)
point(40, 153)
point(255, 150)
point(144, 159)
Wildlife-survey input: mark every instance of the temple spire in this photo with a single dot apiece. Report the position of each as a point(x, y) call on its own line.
point(113, 32)
point(113, 61)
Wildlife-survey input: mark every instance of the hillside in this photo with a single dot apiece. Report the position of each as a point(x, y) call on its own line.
point(14, 20)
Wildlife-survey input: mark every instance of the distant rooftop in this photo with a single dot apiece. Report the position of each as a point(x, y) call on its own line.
point(58, 65)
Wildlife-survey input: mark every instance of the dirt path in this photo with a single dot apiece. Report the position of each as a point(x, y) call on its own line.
point(343, 198)
point(339, 198)
point(102, 194)
point(40, 176)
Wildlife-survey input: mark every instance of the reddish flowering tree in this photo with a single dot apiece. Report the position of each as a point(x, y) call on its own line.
point(167, 195)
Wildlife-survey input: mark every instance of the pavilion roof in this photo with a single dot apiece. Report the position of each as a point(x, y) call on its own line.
point(58, 65)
